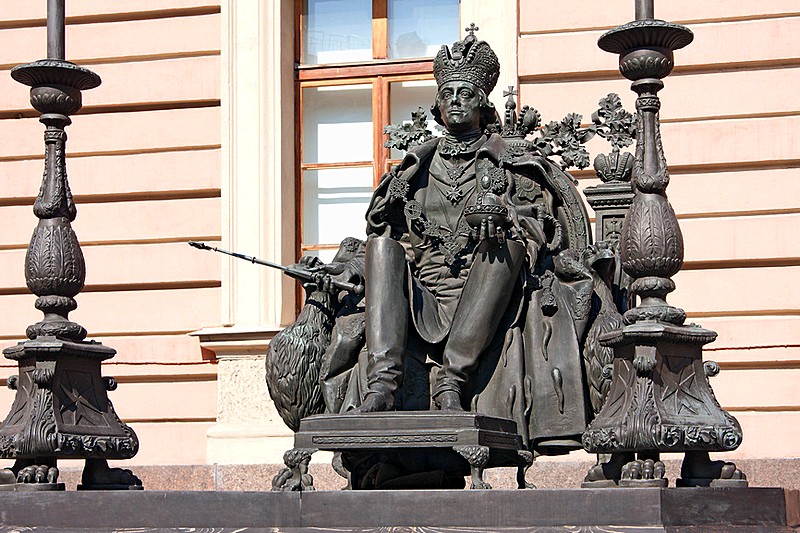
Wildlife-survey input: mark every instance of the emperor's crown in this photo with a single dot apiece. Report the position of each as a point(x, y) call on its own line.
point(468, 60)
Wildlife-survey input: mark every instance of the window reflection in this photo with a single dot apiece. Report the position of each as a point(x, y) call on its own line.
point(337, 31)
point(418, 28)
point(406, 97)
point(325, 255)
point(334, 203)
point(337, 123)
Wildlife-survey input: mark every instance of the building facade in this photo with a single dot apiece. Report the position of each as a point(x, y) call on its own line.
point(257, 127)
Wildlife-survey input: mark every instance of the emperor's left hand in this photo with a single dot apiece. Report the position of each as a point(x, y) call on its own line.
point(491, 230)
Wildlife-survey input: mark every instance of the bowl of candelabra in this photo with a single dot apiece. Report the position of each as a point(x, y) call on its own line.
point(645, 47)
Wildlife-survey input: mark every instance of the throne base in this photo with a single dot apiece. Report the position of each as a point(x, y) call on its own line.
point(407, 449)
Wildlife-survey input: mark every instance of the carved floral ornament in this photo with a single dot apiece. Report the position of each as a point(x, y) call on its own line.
point(564, 139)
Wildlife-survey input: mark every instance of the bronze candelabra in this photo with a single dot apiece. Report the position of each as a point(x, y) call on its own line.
point(61, 408)
point(660, 398)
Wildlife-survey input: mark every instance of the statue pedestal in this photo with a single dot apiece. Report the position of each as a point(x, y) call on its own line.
point(407, 449)
point(610, 202)
point(661, 400)
point(699, 510)
point(61, 390)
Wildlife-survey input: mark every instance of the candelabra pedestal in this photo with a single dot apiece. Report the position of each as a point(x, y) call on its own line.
point(670, 408)
point(62, 411)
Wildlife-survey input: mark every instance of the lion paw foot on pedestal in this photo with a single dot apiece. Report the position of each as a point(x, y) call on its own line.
point(526, 460)
point(698, 470)
point(596, 477)
point(643, 473)
point(7, 479)
point(608, 474)
point(30, 478)
point(36, 478)
point(477, 457)
point(730, 476)
point(97, 475)
point(286, 480)
point(339, 468)
point(295, 476)
point(38, 474)
point(479, 484)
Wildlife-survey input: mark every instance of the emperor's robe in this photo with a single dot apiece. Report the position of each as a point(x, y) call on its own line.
point(531, 372)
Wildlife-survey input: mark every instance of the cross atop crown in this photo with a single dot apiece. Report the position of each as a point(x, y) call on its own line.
point(472, 28)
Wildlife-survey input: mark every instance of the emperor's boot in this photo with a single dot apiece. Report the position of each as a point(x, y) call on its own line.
point(386, 321)
point(483, 304)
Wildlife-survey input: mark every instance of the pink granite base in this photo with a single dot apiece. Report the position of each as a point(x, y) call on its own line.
point(545, 475)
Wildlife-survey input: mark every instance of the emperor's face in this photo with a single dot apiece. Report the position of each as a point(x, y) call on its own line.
point(459, 103)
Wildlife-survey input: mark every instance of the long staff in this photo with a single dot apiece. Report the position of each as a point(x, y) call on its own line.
point(296, 273)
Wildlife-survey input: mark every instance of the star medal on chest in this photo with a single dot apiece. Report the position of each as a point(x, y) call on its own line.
point(398, 187)
point(454, 171)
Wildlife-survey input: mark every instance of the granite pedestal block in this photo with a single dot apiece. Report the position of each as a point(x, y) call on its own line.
point(670, 510)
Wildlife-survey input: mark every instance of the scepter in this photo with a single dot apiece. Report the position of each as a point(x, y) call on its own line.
point(296, 273)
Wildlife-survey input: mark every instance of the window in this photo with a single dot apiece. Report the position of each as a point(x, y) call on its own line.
point(336, 31)
point(344, 31)
point(362, 64)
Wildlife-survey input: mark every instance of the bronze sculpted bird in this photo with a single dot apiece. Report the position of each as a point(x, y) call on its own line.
point(295, 354)
point(600, 259)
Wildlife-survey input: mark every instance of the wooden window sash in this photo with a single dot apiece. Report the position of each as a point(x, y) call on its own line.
point(338, 164)
point(380, 29)
point(370, 69)
point(379, 72)
point(298, 184)
point(317, 247)
point(334, 82)
point(298, 34)
point(379, 113)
